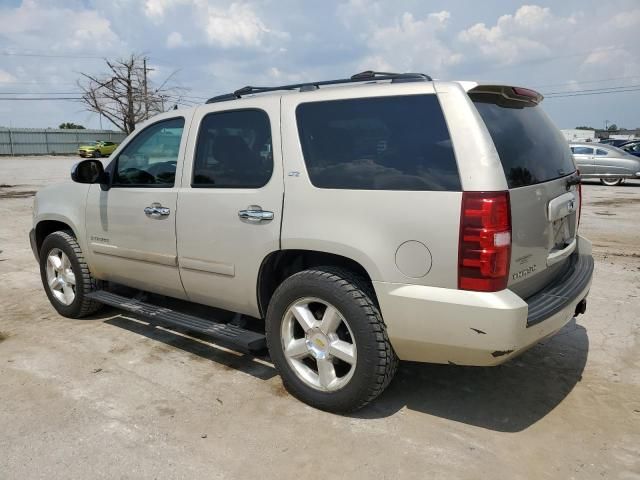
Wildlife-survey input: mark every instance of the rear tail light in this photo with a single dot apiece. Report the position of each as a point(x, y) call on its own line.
point(484, 252)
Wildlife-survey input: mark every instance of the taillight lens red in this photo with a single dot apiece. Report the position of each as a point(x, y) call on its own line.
point(485, 241)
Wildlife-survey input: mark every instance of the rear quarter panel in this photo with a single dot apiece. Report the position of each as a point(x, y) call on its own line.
point(367, 226)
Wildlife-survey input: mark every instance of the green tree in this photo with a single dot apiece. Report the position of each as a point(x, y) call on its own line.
point(613, 127)
point(584, 127)
point(71, 126)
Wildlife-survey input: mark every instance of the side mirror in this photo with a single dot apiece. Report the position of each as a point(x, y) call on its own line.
point(88, 171)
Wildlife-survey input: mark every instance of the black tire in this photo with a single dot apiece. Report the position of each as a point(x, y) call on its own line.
point(85, 283)
point(353, 297)
point(97, 154)
point(611, 182)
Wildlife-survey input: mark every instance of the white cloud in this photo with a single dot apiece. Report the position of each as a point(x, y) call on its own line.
point(157, 9)
point(401, 43)
point(625, 20)
point(175, 40)
point(6, 77)
point(41, 27)
point(355, 13)
point(279, 76)
point(237, 26)
point(516, 37)
point(525, 44)
point(211, 22)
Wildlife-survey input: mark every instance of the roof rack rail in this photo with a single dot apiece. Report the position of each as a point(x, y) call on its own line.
point(365, 76)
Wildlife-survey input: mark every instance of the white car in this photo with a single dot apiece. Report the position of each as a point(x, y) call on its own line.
point(365, 220)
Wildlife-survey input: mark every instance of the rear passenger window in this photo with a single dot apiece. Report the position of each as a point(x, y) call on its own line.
point(582, 150)
point(233, 150)
point(381, 143)
point(601, 152)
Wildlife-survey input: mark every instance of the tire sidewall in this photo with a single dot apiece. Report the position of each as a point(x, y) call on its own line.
point(357, 390)
point(613, 184)
point(58, 241)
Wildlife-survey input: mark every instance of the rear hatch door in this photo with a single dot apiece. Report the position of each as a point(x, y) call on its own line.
point(542, 181)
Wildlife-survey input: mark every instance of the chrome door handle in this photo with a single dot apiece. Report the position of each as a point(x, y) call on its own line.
point(255, 215)
point(156, 210)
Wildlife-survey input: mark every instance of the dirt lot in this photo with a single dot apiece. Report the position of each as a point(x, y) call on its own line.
point(111, 397)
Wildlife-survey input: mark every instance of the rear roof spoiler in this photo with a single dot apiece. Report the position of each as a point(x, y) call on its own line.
point(518, 94)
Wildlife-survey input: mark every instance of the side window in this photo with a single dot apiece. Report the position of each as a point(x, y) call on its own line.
point(150, 159)
point(601, 152)
point(582, 150)
point(233, 150)
point(379, 143)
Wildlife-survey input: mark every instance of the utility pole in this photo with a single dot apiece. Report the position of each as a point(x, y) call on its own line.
point(144, 86)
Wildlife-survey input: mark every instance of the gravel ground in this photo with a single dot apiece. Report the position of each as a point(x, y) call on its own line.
point(111, 397)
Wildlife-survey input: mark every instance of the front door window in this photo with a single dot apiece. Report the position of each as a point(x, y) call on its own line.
point(151, 157)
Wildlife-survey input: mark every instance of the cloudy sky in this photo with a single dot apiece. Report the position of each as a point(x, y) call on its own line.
point(573, 50)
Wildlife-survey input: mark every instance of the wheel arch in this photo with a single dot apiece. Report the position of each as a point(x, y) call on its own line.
point(46, 227)
point(281, 264)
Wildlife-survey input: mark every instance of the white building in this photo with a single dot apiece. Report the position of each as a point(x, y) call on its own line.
point(576, 135)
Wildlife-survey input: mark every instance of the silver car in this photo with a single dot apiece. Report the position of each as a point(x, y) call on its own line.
point(610, 164)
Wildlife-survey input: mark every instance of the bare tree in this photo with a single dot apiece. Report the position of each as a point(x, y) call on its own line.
point(125, 96)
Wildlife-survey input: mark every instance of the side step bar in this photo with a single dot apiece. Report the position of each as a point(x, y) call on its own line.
point(227, 334)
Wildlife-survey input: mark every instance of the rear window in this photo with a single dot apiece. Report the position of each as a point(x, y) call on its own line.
point(381, 143)
point(532, 150)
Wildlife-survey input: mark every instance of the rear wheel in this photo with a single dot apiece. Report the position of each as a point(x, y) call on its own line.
point(66, 277)
point(611, 182)
point(328, 340)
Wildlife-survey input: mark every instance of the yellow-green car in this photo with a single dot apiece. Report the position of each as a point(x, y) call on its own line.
point(97, 150)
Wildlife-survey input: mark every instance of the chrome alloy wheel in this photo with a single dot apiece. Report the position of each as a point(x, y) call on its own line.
point(318, 344)
point(60, 277)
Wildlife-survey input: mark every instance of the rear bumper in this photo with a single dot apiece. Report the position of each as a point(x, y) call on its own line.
point(438, 325)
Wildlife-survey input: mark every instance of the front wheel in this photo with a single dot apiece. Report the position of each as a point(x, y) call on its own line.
point(66, 277)
point(97, 154)
point(328, 341)
point(611, 182)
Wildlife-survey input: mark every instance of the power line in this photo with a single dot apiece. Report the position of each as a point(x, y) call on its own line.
point(39, 98)
point(585, 81)
point(36, 82)
point(39, 93)
point(48, 55)
point(594, 93)
point(591, 90)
